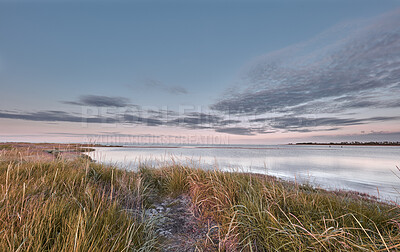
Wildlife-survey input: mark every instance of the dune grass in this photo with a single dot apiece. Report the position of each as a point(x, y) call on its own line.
point(71, 206)
point(82, 206)
point(262, 213)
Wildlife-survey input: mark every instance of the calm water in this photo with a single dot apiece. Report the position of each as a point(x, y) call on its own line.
point(369, 169)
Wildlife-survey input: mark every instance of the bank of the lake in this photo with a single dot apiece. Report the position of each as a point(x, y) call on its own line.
point(366, 169)
point(58, 203)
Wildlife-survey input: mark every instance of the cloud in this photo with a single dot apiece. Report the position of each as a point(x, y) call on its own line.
point(299, 124)
point(62, 116)
point(176, 90)
point(304, 124)
point(110, 135)
point(311, 130)
point(197, 120)
point(355, 60)
point(55, 116)
point(133, 119)
point(155, 84)
point(162, 112)
point(228, 122)
point(100, 101)
point(236, 131)
point(191, 120)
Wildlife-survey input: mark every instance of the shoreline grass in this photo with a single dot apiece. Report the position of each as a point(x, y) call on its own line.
point(262, 213)
point(70, 206)
point(78, 205)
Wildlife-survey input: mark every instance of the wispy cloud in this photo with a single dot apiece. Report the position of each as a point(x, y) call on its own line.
point(55, 116)
point(359, 60)
point(156, 84)
point(236, 131)
point(100, 101)
point(192, 120)
point(133, 119)
point(125, 116)
point(305, 124)
point(264, 125)
point(108, 134)
point(196, 120)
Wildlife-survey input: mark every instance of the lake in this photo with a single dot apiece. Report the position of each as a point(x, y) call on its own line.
point(368, 169)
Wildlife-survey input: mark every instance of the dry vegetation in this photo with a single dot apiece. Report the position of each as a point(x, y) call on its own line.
point(70, 206)
point(77, 205)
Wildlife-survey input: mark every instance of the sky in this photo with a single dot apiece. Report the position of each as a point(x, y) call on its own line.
point(199, 72)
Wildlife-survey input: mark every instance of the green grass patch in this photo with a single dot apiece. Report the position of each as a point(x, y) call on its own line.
point(5, 147)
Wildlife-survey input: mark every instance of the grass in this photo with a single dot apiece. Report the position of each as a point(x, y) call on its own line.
point(82, 206)
point(70, 206)
point(5, 147)
point(262, 213)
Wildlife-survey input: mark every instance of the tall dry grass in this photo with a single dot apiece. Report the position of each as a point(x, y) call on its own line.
point(81, 206)
point(70, 206)
point(262, 213)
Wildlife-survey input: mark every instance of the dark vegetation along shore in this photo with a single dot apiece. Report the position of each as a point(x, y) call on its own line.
point(386, 143)
point(65, 202)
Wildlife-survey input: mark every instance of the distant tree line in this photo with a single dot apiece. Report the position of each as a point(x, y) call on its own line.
point(387, 143)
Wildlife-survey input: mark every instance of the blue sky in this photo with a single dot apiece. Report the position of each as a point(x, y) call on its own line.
point(192, 57)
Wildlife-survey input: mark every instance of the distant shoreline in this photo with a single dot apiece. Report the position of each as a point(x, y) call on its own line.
point(79, 148)
point(354, 143)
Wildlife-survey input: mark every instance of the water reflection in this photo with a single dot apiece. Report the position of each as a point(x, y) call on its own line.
point(368, 169)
